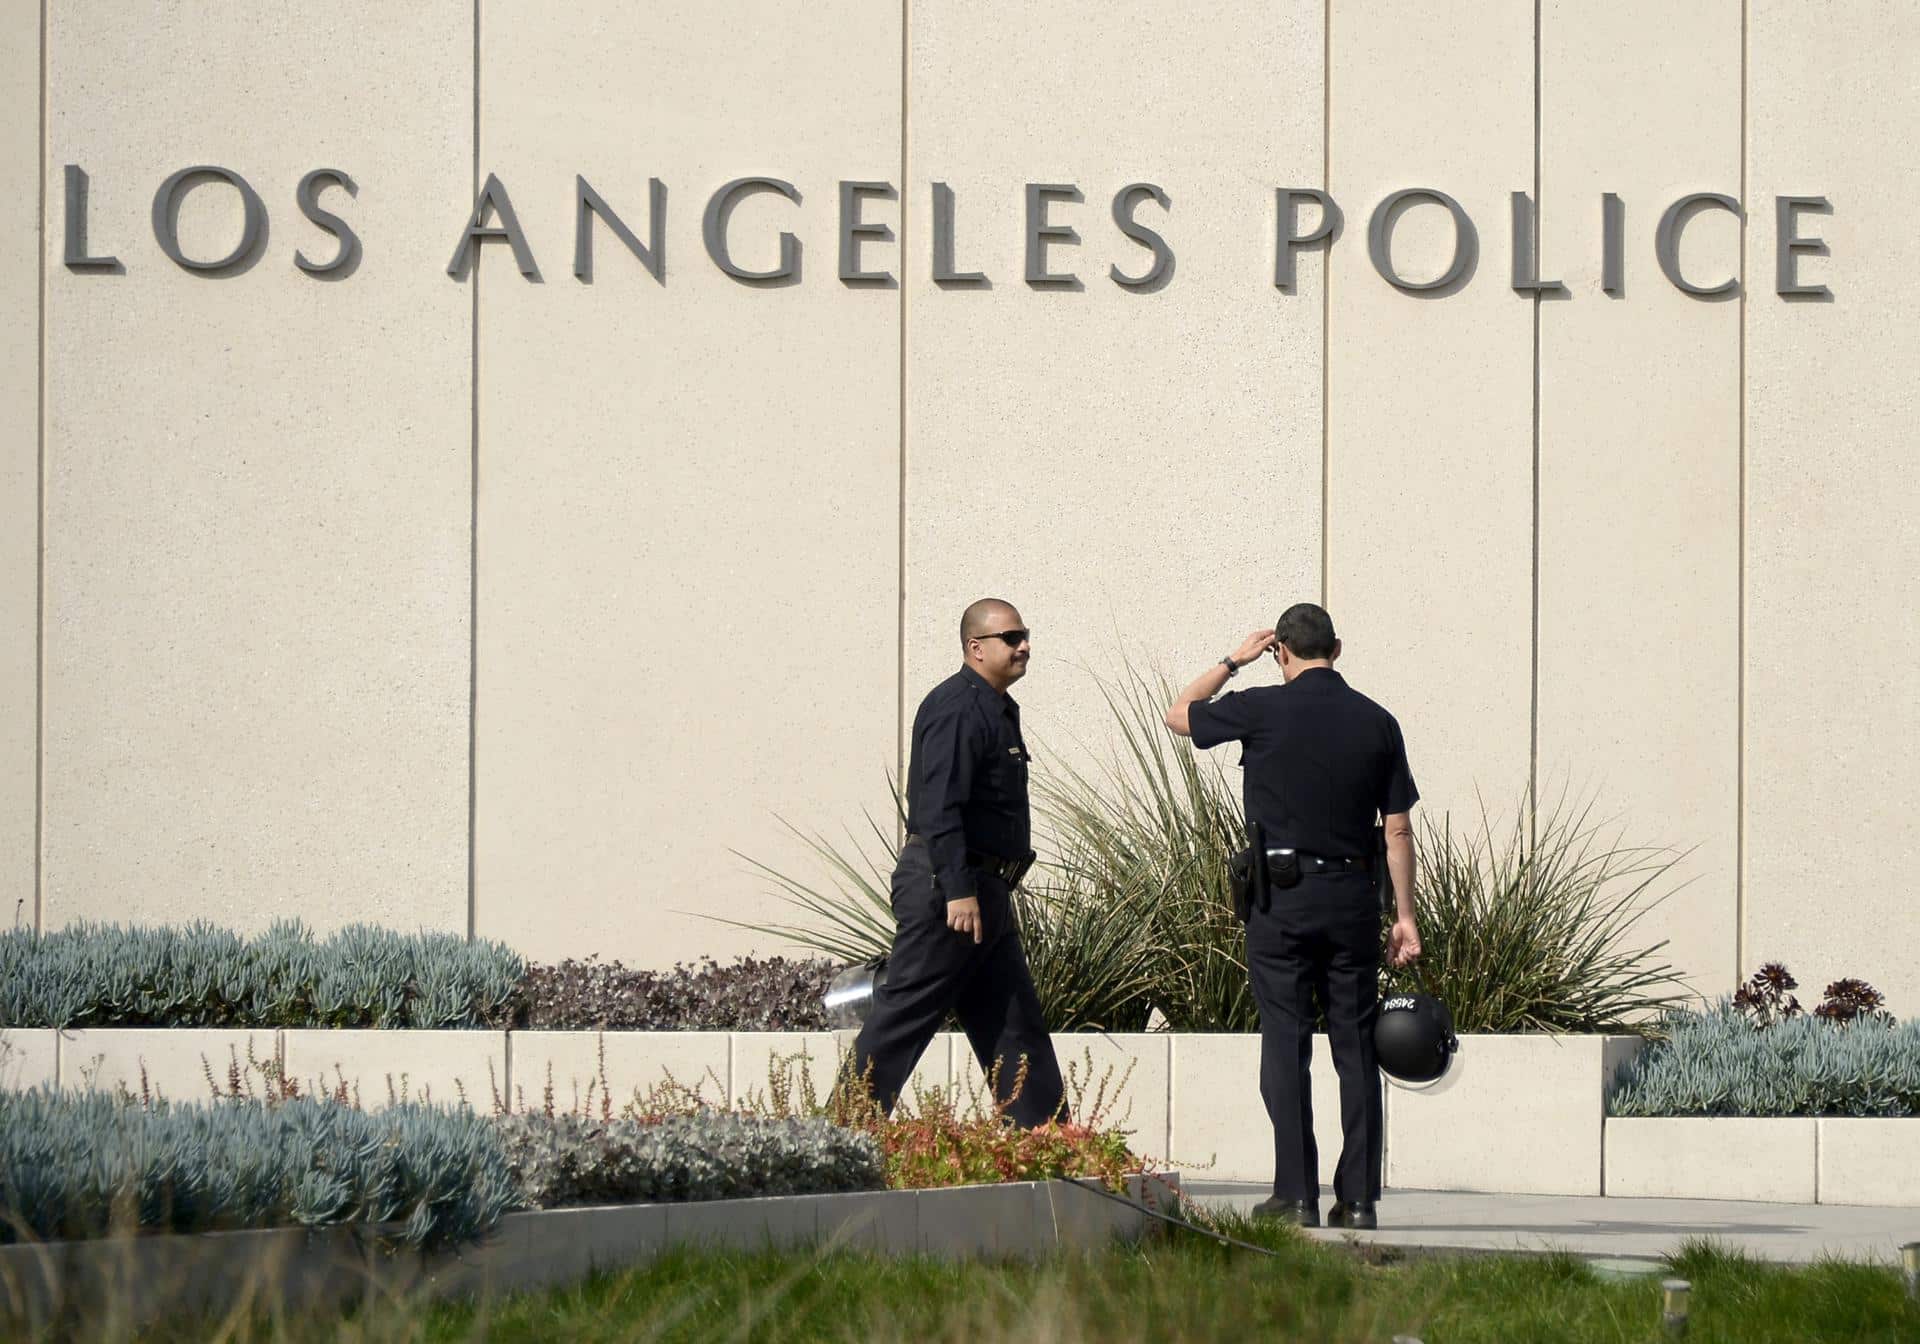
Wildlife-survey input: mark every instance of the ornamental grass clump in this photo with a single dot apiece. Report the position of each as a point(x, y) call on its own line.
point(1128, 909)
point(1089, 948)
point(1531, 928)
point(1142, 840)
point(89, 1164)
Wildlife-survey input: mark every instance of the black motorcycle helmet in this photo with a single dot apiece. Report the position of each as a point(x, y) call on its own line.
point(1413, 1038)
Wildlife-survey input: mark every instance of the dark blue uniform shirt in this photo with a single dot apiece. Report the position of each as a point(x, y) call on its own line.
point(1321, 761)
point(967, 779)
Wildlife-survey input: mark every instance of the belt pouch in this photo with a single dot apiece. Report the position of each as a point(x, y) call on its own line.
point(1283, 868)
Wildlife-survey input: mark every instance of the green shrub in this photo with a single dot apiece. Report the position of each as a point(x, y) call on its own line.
point(1720, 1063)
point(197, 975)
point(1531, 929)
point(84, 1164)
point(578, 1159)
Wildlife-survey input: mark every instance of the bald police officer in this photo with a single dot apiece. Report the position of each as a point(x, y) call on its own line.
point(956, 947)
point(1321, 762)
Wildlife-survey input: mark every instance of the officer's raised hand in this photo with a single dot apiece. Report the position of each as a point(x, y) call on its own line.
point(1253, 646)
point(963, 916)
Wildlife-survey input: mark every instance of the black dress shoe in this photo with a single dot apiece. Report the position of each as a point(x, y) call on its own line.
point(1299, 1212)
point(1356, 1215)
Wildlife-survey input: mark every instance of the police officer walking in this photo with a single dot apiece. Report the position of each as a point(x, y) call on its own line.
point(956, 947)
point(1321, 762)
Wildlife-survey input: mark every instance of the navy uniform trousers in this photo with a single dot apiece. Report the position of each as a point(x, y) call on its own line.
point(933, 971)
point(1319, 942)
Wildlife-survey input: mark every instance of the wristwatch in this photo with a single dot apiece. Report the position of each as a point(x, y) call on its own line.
point(1232, 667)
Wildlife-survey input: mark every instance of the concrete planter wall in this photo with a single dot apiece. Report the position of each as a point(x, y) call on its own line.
point(1701, 1158)
point(1868, 1161)
point(1189, 1099)
point(29, 1056)
point(1798, 1160)
point(161, 1061)
point(1523, 1117)
point(147, 1278)
point(1523, 1114)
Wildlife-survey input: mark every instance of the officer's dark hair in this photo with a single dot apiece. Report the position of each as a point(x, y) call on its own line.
point(1306, 630)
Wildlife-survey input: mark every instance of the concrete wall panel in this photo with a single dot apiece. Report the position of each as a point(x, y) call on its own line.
point(1429, 534)
point(1542, 1096)
point(377, 1068)
point(1771, 1159)
point(1640, 453)
point(1868, 1161)
point(179, 1064)
point(1139, 472)
point(689, 493)
point(1220, 1130)
point(1833, 548)
point(19, 452)
point(257, 484)
point(585, 1069)
point(29, 1057)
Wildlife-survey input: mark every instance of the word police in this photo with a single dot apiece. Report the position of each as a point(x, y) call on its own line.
point(1049, 234)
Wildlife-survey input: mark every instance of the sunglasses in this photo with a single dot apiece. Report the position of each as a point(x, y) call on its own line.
point(1013, 639)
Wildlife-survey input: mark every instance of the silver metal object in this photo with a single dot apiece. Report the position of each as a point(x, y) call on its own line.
point(1910, 1269)
point(1673, 1305)
point(849, 996)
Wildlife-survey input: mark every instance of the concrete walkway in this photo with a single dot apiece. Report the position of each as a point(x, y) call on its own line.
point(1598, 1227)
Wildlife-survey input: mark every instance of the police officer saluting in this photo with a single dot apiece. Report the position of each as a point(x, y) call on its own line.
point(956, 947)
point(1321, 762)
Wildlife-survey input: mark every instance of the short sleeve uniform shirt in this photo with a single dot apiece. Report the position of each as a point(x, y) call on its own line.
point(1322, 761)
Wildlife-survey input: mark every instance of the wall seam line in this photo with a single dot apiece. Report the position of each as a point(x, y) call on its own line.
point(900, 519)
point(1533, 671)
point(473, 518)
point(1167, 1134)
point(40, 524)
point(1740, 564)
point(1326, 306)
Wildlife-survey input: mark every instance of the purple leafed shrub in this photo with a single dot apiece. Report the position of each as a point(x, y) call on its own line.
point(751, 994)
point(1767, 999)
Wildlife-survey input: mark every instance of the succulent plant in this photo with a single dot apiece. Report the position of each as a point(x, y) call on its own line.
point(1716, 1063)
point(577, 1159)
point(83, 1164)
point(198, 975)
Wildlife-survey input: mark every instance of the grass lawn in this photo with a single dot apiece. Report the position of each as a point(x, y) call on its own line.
point(1179, 1288)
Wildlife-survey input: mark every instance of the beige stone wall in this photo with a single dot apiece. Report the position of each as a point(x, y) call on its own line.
point(1138, 471)
point(521, 605)
point(19, 451)
point(257, 497)
point(1639, 451)
point(1429, 415)
point(1832, 545)
point(689, 493)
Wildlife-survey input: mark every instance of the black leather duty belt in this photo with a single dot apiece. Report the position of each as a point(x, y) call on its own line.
point(1009, 871)
point(1313, 863)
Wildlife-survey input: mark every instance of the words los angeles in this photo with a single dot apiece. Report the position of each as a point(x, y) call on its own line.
point(1048, 228)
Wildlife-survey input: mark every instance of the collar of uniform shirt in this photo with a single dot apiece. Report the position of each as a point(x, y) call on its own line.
point(984, 684)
